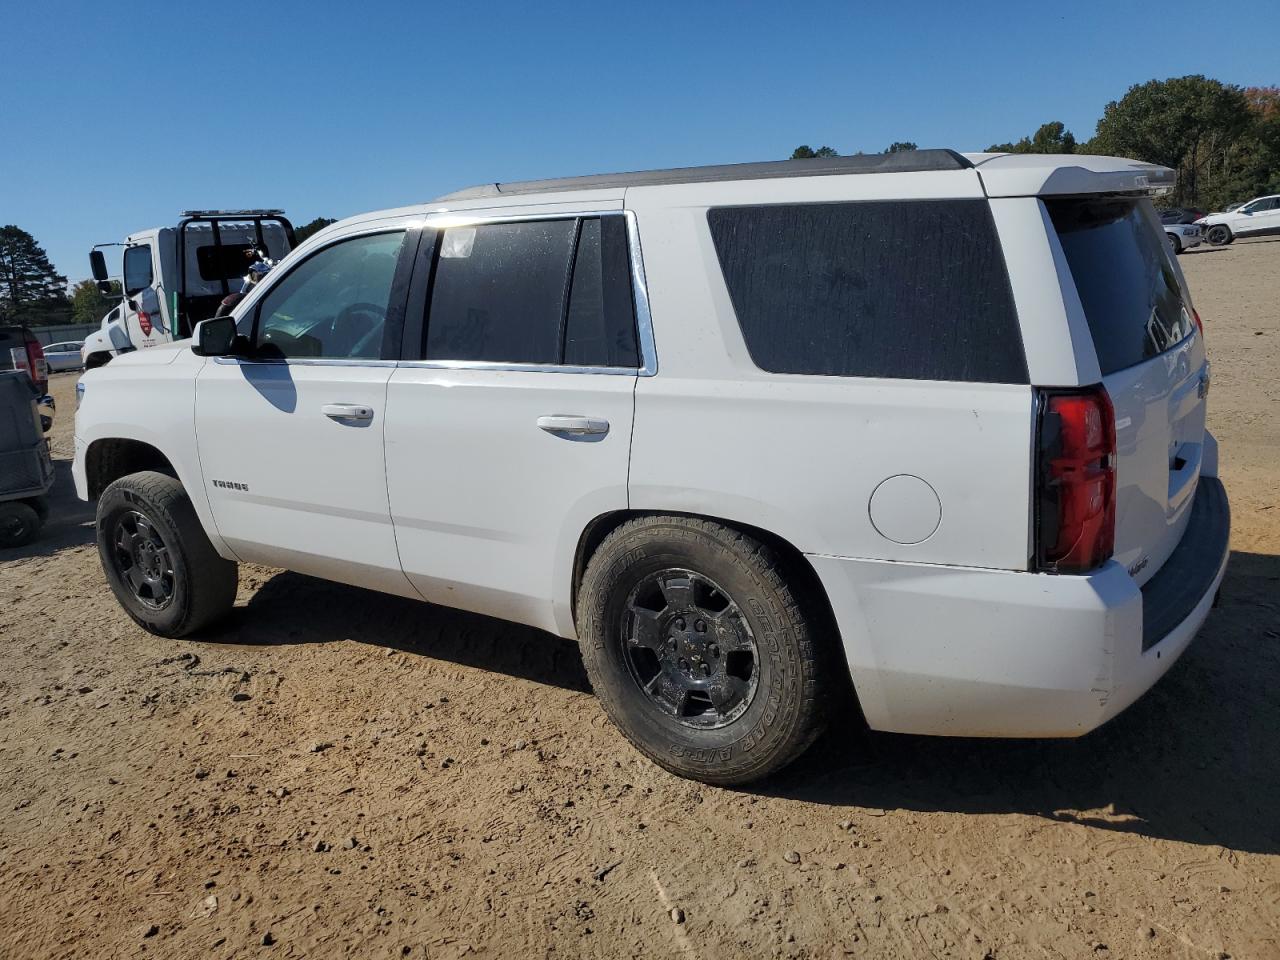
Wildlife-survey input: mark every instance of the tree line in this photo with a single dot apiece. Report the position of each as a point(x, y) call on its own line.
point(1223, 140)
point(32, 292)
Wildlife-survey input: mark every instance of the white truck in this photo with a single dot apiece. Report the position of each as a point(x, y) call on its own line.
point(174, 277)
point(927, 429)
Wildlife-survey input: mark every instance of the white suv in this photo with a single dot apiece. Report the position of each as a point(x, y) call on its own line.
point(928, 422)
point(1257, 218)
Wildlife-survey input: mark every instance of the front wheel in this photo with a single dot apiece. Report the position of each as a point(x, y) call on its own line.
point(699, 650)
point(1174, 243)
point(158, 559)
point(1219, 235)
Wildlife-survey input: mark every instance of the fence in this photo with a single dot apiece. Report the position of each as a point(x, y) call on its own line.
point(64, 332)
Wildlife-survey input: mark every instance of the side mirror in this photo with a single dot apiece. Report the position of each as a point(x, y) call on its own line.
point(214, 338)
point(98, 264)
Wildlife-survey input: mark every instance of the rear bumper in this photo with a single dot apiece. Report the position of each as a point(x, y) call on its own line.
point(969, 652)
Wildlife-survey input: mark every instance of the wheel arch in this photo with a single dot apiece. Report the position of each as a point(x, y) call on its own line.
point(809, 584)
point(107, 459)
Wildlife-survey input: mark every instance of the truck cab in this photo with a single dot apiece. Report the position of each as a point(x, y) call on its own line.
point(174, 277)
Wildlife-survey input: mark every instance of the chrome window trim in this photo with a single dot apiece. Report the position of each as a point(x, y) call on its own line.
point(498, 365)
point(306, 362)
point(639, 289)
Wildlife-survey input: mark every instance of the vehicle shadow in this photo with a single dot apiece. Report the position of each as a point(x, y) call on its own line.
point(1195, 760)
point(292, 608)
point(70, 522)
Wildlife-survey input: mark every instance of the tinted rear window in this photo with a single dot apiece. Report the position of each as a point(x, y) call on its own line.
point(907, 289)
point(534, 291)
point(1125, 279)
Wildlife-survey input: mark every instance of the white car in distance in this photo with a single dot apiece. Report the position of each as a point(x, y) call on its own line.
point(1259, 217)
point(64, 356)
point(924, 428)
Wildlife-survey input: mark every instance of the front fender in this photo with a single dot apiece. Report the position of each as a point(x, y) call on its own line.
point(151, 403)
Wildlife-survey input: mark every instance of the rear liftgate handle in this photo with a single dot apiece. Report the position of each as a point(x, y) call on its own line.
point(574, 426)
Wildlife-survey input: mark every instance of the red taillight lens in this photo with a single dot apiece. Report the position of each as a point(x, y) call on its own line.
point(1195, 314)
point(36, 363)
point(1076, 480)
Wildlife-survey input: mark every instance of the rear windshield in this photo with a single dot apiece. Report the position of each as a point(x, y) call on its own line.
point(905, 289)
point(1125, 279)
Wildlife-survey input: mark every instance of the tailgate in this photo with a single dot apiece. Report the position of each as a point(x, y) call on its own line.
point(1153, 366)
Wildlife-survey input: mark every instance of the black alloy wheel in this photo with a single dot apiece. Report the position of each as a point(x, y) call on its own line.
point(689, 648)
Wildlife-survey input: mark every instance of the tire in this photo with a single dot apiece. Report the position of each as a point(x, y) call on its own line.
point(1219, 235)
point(745, 710)
point(158, 559)
point(1175, 243)
point(19, 523)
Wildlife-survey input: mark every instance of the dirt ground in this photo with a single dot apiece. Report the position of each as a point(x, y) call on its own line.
point(341, 774)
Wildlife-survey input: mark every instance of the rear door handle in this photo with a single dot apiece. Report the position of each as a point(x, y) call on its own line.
point(347, 411)
point(574, 426)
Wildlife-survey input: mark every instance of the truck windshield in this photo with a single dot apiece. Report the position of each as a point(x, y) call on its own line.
point(1126, 281)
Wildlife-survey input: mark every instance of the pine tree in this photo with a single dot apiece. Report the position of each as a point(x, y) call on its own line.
point(31, 290)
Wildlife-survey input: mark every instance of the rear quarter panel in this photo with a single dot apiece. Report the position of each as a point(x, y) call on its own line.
point(801, 456)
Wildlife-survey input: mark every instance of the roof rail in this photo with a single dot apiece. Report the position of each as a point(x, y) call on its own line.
point(906, 161)
point(232, 213)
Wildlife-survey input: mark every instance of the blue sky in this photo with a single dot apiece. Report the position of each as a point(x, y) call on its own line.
point(114, 117)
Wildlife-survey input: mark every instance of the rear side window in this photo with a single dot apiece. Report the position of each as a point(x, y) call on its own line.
point(600, 328)
point(906, 289)
point(1126, 282)
point(541, 292)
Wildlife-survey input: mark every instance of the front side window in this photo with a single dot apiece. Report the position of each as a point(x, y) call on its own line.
point(554, 292)
point(333, 305)
point(137, 269)
point(904, 289)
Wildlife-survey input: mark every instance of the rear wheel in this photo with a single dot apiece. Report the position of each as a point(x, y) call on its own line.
point(19, 523)
point(1219, 235)
point(157, 557)
point(699, 649)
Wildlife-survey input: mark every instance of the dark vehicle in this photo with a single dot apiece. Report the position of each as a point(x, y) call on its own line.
point(20, 350)
point(26, 472)
point(1180, 215)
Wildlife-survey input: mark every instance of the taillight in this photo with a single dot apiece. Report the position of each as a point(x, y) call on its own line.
point(39, 366)
point(1075, 480)
point(1195, 315)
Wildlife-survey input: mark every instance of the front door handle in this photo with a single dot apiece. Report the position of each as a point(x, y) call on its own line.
point(347, 411)
point(574, 426)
